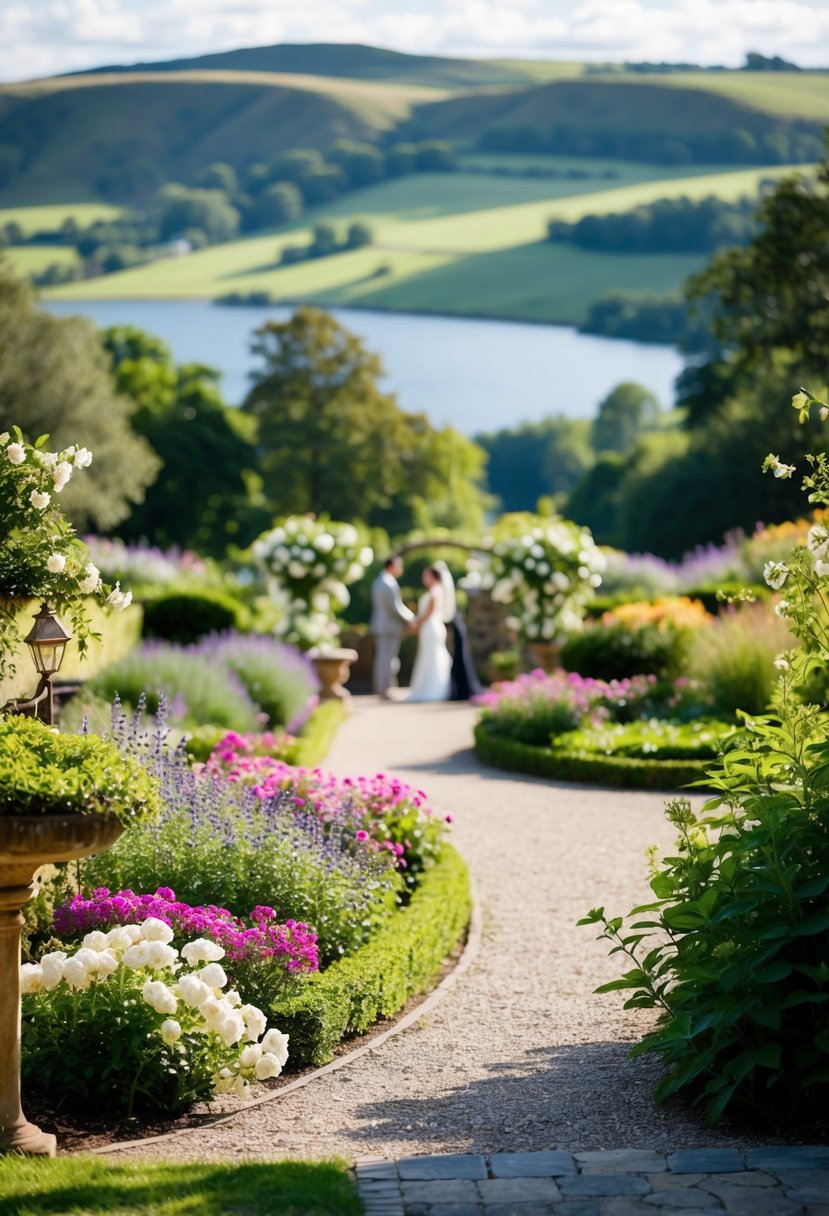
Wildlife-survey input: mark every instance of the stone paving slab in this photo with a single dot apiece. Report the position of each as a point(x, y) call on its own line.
point(776, 1181)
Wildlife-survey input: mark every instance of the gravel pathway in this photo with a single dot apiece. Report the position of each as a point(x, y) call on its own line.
point(520, 1055)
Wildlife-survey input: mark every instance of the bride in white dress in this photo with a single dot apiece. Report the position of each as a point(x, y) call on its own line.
point(432, 673)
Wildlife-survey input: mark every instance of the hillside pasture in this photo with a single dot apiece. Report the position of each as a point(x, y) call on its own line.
point(33, 259)
point(446, 243)
point(48, 217)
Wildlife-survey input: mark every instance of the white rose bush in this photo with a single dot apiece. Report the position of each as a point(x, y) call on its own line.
point(40, 555)
point(131, 1024)
point(546, 569)
point(310, 564)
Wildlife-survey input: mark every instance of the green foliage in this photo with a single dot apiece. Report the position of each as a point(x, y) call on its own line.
point(43, 772)
point(96, 1186)
point(180, 412)
point(623, 416)
point(186, 616)
point(536, 459)
point(648, 739)
point(735, 657)
point(731, 953)
point(399, 961)
point(329, 441)
point(615, 651)
point(54, 380)
point(669, 225)
point(208, 210)
point(596, 768)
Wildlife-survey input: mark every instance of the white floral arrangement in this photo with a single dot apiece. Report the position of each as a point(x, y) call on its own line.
point(40, 555)
point(546, 569)
point(195, 1022)
point(310, 563)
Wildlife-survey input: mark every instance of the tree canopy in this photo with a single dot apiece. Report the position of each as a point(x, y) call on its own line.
point(55, 379)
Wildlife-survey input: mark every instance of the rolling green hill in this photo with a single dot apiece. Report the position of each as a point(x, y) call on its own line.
point(70, 130)
point(356, 62)
point(677, 106)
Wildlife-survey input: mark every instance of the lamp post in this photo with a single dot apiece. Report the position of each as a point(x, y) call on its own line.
point(47, 640)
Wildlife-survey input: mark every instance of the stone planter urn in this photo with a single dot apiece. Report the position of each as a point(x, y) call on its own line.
point(545, 655)
point(26, 843)
point(333, 668)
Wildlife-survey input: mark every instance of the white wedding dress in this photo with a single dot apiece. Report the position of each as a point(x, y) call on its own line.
point(432, 673)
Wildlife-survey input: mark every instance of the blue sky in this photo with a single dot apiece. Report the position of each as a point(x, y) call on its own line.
point(39, 37)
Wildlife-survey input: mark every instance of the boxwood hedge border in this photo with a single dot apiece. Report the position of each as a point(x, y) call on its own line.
point(400, 961)
point(622, 772)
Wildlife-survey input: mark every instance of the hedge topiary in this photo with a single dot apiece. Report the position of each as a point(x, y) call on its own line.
point(378, 979)
point(186, 616)
point(623, 772)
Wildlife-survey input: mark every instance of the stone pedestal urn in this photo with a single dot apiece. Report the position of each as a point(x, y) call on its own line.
point(333, 667)
point(26, 843)
point(545, 655)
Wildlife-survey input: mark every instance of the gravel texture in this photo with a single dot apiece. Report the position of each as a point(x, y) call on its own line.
point(521, 1055)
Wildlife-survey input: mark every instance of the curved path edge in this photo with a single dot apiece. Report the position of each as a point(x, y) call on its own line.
point(429, 1002)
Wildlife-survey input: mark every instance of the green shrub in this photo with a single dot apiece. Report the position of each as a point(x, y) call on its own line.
point(614, 652)
point(45, 773)
point(376, 981)
point(734, 658)
point(731, 952)
point(278, 678)
point(622, 772)
point(186, 616)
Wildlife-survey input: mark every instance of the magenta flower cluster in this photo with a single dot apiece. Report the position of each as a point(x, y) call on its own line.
point(291, 946)
point(580, 694)
point(379, 813)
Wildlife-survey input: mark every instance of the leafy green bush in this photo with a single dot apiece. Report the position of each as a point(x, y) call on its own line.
point(735, 657)
point(731, 953)
point(595, 768)
point(613, 652)
point(376, 981)
point(186, 616)
point(197, 692)
point(43, 772)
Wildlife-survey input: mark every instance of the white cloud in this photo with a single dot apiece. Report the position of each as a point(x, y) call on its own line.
point(46, 36)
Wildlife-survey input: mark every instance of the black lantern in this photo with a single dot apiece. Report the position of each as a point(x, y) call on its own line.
point(47, 641)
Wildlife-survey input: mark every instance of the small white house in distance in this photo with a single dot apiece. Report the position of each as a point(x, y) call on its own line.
point(177, 247)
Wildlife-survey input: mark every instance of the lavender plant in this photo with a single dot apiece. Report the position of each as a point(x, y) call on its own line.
point(216, 842)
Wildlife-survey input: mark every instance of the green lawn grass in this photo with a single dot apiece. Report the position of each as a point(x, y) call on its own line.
point(87, 1186)
point(48, 217)
point(31, 259)
point(459, 243)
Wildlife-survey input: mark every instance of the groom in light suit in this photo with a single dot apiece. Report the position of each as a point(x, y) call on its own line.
point(389, 621)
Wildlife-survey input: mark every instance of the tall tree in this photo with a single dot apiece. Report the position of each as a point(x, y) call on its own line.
point(55, 379)
point(330, 440)
point(624, 416)
point(207, 493)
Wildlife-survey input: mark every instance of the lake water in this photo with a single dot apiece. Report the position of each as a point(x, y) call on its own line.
point(475, 375)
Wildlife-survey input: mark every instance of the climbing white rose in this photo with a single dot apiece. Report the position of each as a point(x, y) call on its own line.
point(90, 584)
point(137, 955)
point(16, 453)
point(170, 1031)
point(56, 563)
point(31, 978)
point(40, 499)
point(276, 1044)
point(255, 1021)
point(193, 990)
point(61, 474)
point(51, 966)
point(213, 975)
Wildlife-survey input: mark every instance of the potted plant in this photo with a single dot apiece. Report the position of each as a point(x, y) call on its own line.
point(61, 797)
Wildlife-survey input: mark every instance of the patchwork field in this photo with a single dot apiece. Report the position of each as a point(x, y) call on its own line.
point(463, 244)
